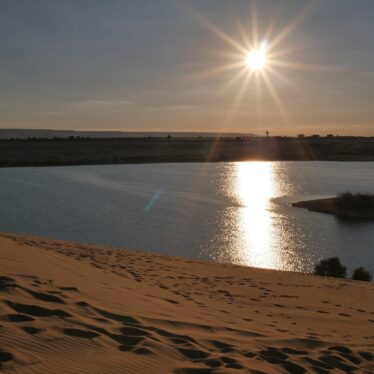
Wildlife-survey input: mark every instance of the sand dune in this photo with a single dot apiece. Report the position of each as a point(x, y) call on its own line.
point(74, 308)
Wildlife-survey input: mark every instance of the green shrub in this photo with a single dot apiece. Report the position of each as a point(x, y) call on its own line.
point(330, 267)
point(361, 274)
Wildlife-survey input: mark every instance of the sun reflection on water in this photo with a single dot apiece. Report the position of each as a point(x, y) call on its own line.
point(255, 186)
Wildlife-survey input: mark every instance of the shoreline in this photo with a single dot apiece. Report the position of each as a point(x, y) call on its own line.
point(329, 206)
point(16, 236)
point(105, 309)
point(325, 205)
point(145, 162)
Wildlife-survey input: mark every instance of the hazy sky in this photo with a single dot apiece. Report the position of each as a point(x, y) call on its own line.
point(139, 65)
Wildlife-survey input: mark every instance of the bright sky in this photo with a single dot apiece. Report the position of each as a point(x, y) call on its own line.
point(158, 66)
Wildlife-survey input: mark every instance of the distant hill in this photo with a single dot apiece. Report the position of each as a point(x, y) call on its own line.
point(40, 133)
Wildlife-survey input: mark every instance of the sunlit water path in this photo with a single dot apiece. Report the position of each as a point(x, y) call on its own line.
point(229, 212)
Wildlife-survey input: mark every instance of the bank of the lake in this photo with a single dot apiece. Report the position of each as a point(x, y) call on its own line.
point(347, 206)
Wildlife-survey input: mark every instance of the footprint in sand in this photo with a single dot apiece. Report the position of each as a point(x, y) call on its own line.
point(74, 289)
point(78, 333)
point(142, 351)
point(180, 341)
point(7, 283)
point(116, 317)
point(127, 343)
point(273, 355)
point(36, 310)
point(193, 354)
point(5, 357)
point(134, 331)
point(16, 318)
point(231, 363)
point(45, 297)
point(367, 356)
point(336, 362)
point(292, 351)
point(280, 357)
point(31, 330)
point(222, 346)
point(171, 301)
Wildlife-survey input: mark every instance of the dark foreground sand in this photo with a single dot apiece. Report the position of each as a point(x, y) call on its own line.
point(75, 308)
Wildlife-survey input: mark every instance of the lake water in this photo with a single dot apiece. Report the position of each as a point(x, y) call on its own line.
point(235, 212)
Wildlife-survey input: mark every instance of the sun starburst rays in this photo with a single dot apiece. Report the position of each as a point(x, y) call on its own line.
point(255, 64)
point(255, 59)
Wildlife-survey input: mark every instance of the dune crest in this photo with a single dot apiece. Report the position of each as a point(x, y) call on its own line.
point(70, 307)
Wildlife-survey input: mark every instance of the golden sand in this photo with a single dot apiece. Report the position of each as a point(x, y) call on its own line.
point(75, 308)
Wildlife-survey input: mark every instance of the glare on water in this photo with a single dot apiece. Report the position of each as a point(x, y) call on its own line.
point(255, 187)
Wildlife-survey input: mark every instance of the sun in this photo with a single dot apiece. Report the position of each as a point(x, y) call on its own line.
point(256, 59)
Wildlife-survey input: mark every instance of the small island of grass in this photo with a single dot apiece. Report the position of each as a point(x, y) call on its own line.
point(347, 206)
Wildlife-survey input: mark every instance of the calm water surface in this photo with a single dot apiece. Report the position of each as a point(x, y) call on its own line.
point(230, 212)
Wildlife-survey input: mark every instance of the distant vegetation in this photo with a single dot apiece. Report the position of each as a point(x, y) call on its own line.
point(355, 206)
point(332, 267)
point(350, 201)
point(77, 149)
point(347, 206)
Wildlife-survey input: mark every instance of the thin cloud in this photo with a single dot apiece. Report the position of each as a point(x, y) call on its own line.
point(105, 102)
point(172, 107)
